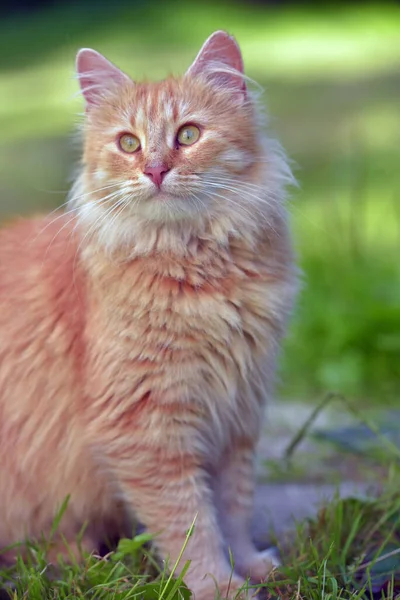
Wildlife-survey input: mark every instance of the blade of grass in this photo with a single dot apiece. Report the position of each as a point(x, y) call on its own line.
point(58, 517)
point(188, 535)
point(302, 432)
point(178, 581)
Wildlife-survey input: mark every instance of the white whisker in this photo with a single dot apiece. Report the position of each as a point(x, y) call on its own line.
point(243, 193)
point(212, 194)
point(223, 179)
point(74, 212)
point(96, 191)
point(91, 231)
point(65, 213)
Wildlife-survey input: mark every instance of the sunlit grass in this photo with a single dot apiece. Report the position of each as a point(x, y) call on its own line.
point(291, 44)
point(345, 333)
point(350, 551)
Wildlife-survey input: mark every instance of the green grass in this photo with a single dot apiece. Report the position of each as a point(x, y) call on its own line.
point(350, 550)
point(345, 335)
point(36, 76)
point(343, 553)
point(128, 572)
point(332, 86)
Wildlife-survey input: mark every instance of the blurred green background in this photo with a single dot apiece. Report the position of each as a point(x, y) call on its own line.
point(331, 75)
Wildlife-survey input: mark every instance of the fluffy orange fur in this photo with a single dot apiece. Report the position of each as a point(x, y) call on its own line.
point(139, 330)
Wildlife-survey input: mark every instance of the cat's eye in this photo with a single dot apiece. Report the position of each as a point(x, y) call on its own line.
point(129, 143)
point(188, 135)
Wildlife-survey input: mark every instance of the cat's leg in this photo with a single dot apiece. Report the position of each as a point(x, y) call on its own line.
point(166, 494)
point(234, 487)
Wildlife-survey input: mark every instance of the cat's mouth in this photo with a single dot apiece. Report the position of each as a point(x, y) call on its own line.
point(164, 195)
point(160, 195)
point(172, 205)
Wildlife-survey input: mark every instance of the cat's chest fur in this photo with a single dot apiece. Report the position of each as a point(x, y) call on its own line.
point(189, 331)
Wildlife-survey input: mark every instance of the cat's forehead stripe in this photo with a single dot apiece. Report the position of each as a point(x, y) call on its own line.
point(126, 116)
point(139, 117)
point(156, 114)
point(168, 110)
point(183, 106)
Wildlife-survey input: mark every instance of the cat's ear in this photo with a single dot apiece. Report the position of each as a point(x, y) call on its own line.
point(96, 74)
point(220, 61)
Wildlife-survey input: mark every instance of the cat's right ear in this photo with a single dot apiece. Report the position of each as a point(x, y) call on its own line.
point(96, 74)
point(220, 61)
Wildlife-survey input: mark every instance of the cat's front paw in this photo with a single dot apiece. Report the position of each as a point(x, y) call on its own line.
point(260, 565)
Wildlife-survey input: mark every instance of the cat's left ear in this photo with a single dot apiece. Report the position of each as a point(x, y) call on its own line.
point(221, 62)
point(96, 74)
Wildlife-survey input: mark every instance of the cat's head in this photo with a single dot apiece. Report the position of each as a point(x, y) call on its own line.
point(183, 150)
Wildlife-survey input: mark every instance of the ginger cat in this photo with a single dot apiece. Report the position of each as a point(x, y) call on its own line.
point(139, 329)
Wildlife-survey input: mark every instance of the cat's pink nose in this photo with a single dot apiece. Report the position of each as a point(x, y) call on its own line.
point(156, 173)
